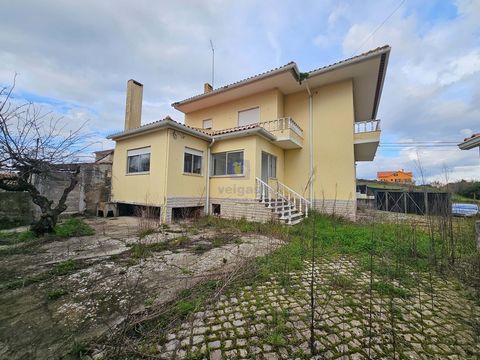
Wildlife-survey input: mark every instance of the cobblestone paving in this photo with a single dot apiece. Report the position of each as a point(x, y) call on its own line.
point(272, 320)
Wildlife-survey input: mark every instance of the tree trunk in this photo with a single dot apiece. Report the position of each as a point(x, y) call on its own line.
point(45, 225)
point(49, 217)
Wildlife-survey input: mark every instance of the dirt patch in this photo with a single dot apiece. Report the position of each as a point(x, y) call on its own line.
point(71, 291)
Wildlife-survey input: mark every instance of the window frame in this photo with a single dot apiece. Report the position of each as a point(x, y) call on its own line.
point(138, 152)
point(211, 124)
point(242, 151)
point(271, 157)
point(249, 109)
point(194, 153)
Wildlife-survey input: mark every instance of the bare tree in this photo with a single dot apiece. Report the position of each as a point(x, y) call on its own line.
point(36, 143)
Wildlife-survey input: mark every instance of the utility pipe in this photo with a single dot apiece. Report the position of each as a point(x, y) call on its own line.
point(207, 177)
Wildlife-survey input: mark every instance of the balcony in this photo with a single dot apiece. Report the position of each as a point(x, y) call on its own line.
point(289, 135)
point(366, 139)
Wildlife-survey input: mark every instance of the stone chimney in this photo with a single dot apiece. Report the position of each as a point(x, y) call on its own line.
point(207, 88)
point(133, 111)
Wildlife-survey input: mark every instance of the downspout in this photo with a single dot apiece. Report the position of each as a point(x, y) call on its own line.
point(310, 131)
point(207, 178)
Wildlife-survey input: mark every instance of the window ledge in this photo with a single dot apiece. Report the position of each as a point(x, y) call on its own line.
point(192, 174)
point(138, 173)
point(227, 176)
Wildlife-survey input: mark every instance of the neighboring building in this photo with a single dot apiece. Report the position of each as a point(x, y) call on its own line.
point(401, 176)
point(104, 156)
point(282, 134)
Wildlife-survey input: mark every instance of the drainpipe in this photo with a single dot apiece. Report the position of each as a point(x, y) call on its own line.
point(310, 118)
point(207, 178)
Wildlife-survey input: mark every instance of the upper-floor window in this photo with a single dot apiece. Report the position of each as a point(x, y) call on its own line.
point(192, 161)
point(227, 163)
point(207, 124)
point(250, 116)
point(138, 160)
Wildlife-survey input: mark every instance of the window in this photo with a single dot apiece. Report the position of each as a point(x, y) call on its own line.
point(138, 160)
point(250, 116)
point(227, 163)
point(207, 124)
point(192, 161)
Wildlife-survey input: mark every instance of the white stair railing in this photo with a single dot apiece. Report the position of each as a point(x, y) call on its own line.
point(299, 202)
point(267, 194)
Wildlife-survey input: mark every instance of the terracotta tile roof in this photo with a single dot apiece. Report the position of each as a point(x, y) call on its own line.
point(235, 129)
point(208, 132)
point(472, 137)
point(290, 65)
point(287, 66)
point(370, 52)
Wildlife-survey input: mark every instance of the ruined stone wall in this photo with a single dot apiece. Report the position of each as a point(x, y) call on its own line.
point(93, 187)
point(15, 209)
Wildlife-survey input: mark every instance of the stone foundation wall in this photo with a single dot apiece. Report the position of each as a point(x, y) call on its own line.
point(179, 202)
point(249, 209)
point(343, 208)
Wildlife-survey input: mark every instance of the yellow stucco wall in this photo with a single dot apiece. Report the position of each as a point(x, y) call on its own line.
point(333, 153)
point(141, 188)
point(226, 115)
point(166, 177)
point(178, 183)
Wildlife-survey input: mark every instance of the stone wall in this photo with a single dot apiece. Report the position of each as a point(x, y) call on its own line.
point(343, 208)
point(93, 187)
point(15, 209)
point(251, 210)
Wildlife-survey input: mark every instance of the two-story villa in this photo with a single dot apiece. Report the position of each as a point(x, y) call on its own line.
point(272, 146)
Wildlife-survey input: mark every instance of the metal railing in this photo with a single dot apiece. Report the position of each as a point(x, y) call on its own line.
point(286, 196)
point(299, 202)
point(366, 126)
point(282, 124)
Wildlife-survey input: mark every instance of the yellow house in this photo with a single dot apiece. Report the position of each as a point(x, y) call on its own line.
point(272, 146)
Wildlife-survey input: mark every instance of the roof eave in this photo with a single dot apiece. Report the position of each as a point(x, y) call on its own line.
point(470, 144)
point(292, 67)
point(255, 131)
point(163, 124)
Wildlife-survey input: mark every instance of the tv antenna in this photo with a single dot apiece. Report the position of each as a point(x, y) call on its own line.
point(213, 63)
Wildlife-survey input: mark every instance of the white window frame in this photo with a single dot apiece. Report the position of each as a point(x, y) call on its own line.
point(257, 108)
point(271, 157)
point(226, 163)
point(138, 152)
point(193, 152)
point(209, 121)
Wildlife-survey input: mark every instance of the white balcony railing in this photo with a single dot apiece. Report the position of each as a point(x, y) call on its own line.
point(366, 126)
point(282, 124)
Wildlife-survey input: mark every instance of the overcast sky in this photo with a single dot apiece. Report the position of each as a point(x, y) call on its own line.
point(76, 56)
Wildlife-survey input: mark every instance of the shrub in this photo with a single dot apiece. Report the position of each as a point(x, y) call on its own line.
point(73, 227)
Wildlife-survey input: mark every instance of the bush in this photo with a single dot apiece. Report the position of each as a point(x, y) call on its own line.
point(73, 227)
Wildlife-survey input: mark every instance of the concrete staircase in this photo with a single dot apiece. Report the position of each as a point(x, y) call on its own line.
point(289, 206)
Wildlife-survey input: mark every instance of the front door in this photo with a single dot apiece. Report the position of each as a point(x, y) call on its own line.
point(269, 166)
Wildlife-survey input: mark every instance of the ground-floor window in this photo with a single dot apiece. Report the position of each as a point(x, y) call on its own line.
point(227, 163)
point(192, 161)
point(138, 160)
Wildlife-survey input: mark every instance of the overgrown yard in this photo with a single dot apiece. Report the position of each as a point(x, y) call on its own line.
point(218, 288)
